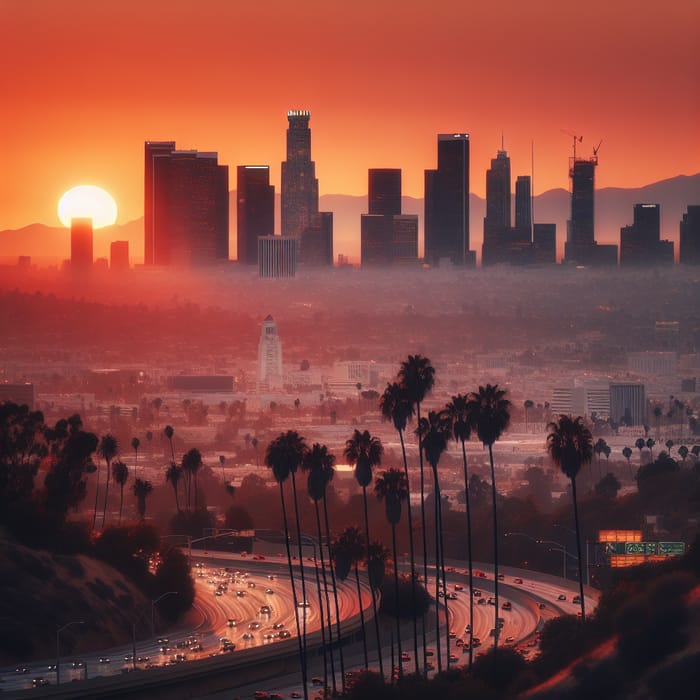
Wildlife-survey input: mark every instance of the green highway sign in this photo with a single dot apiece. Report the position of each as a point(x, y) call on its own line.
point(672, 548)
point(643, 548)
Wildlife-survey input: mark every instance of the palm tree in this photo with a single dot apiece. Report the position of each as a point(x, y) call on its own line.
point(528, 404)
point(650, 444)
point(457, 411)
point(570, 444)
point(417, 377)
point(283, 454)
point(319, 463)
point(598, 449)
point(683, 452)
point(396, 407)
point(365, 452)
point(108, 450)
point(435, 430)
point(169, 432)
point(669, 445)
point(173, 475)
point(627, 453)
point(640, 445)
point(392, 487)
point(135, 444)
point(658, 412)
point(488, 413)
point(142, 489)
point(191, 464)
point(222, 461)
point(120, 474)
point(348, 550)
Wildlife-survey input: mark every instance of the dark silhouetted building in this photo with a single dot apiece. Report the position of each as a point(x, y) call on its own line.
point(544, 243)
point(277, 256)
point(255, 210)
point(387, 236)
point(628, 404)
point(81, 244)
point(523, 207)
point(497, 230)
point(317, 240)
point(690, 236)
point(640, 243)
point(447, 203)
point(119, 255)
point(185, 205)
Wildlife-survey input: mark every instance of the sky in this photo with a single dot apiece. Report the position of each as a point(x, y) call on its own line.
point(85, 83)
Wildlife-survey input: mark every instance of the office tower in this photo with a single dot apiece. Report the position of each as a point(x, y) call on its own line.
point(317, 240)
point(497, 232)
point(277, 256)
point(523, 207)
point(387, 236)
point(119, 255)
point(628, 404)
point(544, 243)
point(447, 203)
point(81, 244)
point(270, 356)
point(690, 236)
point(185, 205)
point(255, 210)
point(640, 243)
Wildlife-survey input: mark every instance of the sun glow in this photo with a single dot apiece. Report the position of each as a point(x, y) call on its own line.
point(89, 202)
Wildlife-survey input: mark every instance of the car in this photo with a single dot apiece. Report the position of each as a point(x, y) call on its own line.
point(477, 593)
point(285, 634)
point(253, 625)
point(459, 642)
point(223, 640)
point(218, 592)
point(143, 659)
point(491, 601)
point(517, 580)
point(510, 640)
point(430, 652)
point(251, 584)
point(258, 557)
point(576, 599)
point(196, 647)
point(270, 577)
point(303, 604)
point(128, 658)
point(51, 667)
point(501, 577)
point(278, 626)
point(268, 591)
point(105, 660)
point(467, 628)
point(265, 610)
point(430, 666)
point(465, 649)
point(452, 635)
point(452, 596)
point(22, 669)
point(507, 605)
point(561, 596)
point(480, 574)
point(162, 640)
point(231, 622)
point(453, 657)
point(481, 601)
point(248, 635)
point(476, 641)
point(78, 664)
point(39, 682)
point(295, 694)
point(459, 587)
point(240, 594)
point(228, 646)
point(317, 681)
point(180, 658)
point(542, 606)
point(405, 656)
point(269, 636)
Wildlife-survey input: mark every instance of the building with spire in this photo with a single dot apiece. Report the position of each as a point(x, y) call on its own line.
point(269, 357)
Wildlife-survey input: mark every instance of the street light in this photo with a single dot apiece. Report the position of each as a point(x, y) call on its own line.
point(58, 646)
point(153, 610)
point(558, 544)
point(563, 551)
point(588, 556)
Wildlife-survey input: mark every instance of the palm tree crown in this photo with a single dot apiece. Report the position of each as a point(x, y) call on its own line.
point(396, 406)
point(458, 413)
point(285, 454)
point(392, 488)
point(417, 376)
point(364, 452)
point(570, 444)
point(319, 462)
point(489, 413)
point(435, 431)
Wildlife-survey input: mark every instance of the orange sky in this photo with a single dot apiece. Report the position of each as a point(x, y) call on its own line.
point(84, 83)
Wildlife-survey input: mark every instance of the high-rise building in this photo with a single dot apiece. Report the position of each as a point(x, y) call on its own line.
point(628, 404)
point(270, 356)
point(119, 256)
point(447, 203)
point(690, 236)
point(523, 207)
point(277, 256)
point(185, 206)
point(317, 240)
point(255, 210)
point(497, 231)
point(81, 244)
point(387, 236)
point(640, 243)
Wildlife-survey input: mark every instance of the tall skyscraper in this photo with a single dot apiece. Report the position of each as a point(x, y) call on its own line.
point(81, 244)
point(300, 195)
point(447, 203)
point(690, 236)
point(270, 356)
point(497, 231)
point(185, 206)
point(255, 210)
point(523, 207)
point(544, 243)
point(387, 236)
point(640, 243)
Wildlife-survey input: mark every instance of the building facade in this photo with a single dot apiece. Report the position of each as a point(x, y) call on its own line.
point(640, 243)
point(119, 256)
point(690, 236)
point(277, 256)
point(255, 210)
point(81, 255)
point(270, 374)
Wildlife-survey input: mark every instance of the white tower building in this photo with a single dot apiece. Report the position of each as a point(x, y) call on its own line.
point(270, 356)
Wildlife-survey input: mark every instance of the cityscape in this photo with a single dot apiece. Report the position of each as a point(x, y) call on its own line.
point(304, 395)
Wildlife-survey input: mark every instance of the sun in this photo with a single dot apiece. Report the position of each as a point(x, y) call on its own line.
point(89, 202)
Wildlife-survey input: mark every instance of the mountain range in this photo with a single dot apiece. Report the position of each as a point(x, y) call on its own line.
point(614, 209)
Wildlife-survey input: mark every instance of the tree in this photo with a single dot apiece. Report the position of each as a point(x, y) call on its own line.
point(457, 411)
point(650, 444)
point(283, 455)
point(142, 489)
point(658, 412)
point(395, 406)
point(392, 488)
point(169, 432)
point(528, 404)
point(173, 475)
point(598, 448)
point(488, 412)
point(108, 450)
point(570, 445)
point(627, 453)
point(640, 445)
point(608, 487)
point(364, 452)
point(191, 464)
point(120, 474)
point(683, 453)
point(135, 444)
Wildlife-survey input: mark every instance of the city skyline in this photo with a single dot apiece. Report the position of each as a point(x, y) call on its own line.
point(629, 60)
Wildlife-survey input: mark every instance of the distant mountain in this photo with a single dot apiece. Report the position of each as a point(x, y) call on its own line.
point(614, 209)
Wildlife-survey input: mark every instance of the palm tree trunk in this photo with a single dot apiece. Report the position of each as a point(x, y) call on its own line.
point(195, 492)
point(335, 593)
point(371, 588)
point(301, 554)
point(423, 521)
point(104, 510)
point(495, 552)
point(444, 578)
point(97, 490)
point(302, 650)
point(413, 558)
point(362, 615)
point(121, 503)
point(325, 647)
point(328, 602)
point(578, 552)
point(469, 552)
point(437, 571)
point(396, 598)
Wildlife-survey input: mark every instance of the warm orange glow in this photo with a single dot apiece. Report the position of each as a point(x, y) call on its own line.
point(87, 202)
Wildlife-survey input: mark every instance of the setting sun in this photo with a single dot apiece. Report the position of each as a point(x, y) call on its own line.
point(87, 201)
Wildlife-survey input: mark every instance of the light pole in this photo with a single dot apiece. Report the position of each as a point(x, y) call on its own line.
point(588, 558)
point(565, 553)
point(560, 547)
point(58, 646)
point(153, 610)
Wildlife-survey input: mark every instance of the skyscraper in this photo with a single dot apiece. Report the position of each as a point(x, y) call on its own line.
point(690, 236)
point(384, 191)
point(447, 203)
point(497, 231)
point(185, 206)
point(81, 244)
point(316, 243)
point(277, 256)
point(255, 210)
point(640, 243)
point(523, 207)
point(119, 256)
point(270, 356)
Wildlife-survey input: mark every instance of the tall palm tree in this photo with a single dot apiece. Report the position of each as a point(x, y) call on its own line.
point(683, 453)
point(348, 551)
point(319, 463)
point(173, 476)
point(168, 431)
point(640, 445)
point(392, 488)
point(488, 412)
point(435, 430)
point(191, 464)
point(222, 461)
point(284, 455)
point(627, 453)
point(142, 490)
point(364, 452)
point(598, 449)
point(658, 412)
point(650, 444)
point(457, 411)
point(120, 474)
point(397, 407)
point(135, 444)
point(527, 404)
point(570, 444)
point(108, 450)
point(417, 377)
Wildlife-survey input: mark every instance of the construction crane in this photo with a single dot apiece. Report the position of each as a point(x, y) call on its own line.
point(575, 137)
